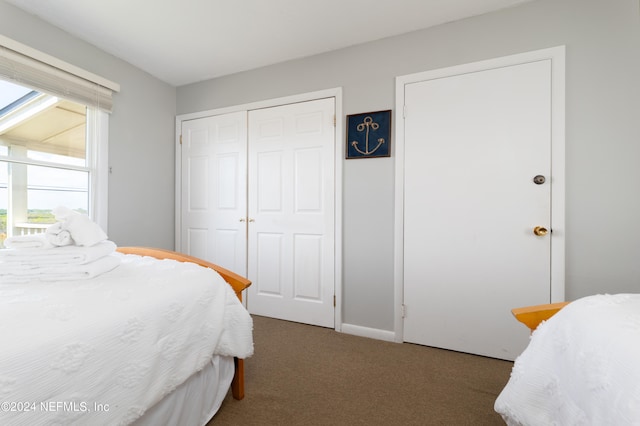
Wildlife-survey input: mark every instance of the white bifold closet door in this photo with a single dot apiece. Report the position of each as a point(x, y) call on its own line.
point(214, 190)
point(258, 198)
point(291, 212)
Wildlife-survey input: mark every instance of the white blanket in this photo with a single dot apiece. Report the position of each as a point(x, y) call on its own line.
point(84, 271)
point(582, 367)
point(39, 257)
point(103, 351)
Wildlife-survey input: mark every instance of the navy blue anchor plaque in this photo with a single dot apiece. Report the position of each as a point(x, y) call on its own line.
point(368, 134)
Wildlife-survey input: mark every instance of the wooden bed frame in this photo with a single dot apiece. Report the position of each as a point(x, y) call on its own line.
point(532, 316)
point(236, 281)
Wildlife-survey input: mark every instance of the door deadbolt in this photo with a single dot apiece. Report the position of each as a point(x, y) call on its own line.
point(539, 180)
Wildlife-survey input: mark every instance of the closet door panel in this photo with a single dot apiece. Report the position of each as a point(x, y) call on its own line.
point(214, 185)
point(291, 174)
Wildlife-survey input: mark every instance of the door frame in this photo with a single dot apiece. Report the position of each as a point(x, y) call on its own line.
point(335, 93)
point(557, 57)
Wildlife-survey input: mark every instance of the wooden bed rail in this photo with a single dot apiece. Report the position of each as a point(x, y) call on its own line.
point(238, 282)
point(532, 316)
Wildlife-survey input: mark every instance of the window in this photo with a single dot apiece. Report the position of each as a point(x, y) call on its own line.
point(53, 138)
point(48, 149)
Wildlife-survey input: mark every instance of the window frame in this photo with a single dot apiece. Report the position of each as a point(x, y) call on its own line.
point(24, 65)
point(97, 167)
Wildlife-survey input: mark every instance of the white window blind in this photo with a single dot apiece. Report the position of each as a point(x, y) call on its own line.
point(48, 75)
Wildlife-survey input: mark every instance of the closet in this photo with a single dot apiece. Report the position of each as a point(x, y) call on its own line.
point(258, 197)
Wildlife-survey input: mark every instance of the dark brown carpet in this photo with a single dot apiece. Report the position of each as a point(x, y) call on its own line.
point(306, 375)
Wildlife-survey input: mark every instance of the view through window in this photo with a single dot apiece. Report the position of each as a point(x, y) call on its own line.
point(44, 159)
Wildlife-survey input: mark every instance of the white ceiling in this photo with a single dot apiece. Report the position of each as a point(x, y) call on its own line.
point(185, 41)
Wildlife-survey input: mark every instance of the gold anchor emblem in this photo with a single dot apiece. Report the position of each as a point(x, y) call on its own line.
point(367, 125)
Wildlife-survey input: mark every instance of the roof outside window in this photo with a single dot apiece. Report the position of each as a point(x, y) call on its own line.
point(12, 95)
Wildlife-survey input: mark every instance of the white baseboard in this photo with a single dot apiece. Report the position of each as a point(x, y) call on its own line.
point(372, 333)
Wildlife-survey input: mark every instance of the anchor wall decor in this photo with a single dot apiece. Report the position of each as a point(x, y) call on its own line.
point(368, 135)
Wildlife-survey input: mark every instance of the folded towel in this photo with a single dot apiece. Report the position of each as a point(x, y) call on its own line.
point(67, 255)
point(72, 228)
point(57, 236)
point(61, 273)
point(81, 228)
point(27, 242)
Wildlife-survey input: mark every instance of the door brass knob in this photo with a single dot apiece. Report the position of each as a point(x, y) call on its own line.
point(540, 231)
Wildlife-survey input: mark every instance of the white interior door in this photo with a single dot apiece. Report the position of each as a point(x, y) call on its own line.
point(291, 212)
point(473, 144)
point(214, 187)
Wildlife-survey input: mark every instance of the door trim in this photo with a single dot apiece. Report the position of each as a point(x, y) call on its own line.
point(557, 57)
point(335, 93)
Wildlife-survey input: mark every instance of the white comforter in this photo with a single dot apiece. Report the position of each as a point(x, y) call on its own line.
point(582, 367)
point(103, 351)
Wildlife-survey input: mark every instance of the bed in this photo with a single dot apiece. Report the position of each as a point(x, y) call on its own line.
point(160, 339)
point(581, 365)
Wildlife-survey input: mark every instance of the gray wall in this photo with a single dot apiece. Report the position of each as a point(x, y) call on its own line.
point(602, 146)
point(141, 132)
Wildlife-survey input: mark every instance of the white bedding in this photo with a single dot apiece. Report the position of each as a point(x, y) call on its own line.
point(582, 367)
point(195, 401)
point(103, 351)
